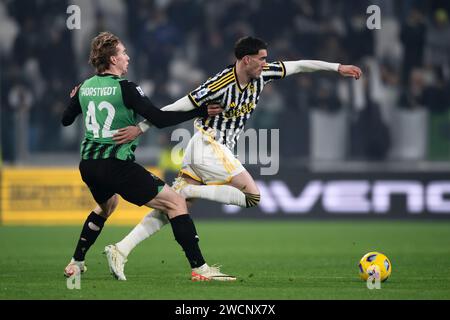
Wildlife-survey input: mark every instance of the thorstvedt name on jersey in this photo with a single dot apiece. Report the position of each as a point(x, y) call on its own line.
point(98, 92)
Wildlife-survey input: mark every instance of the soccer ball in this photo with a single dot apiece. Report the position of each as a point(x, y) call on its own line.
point(375, 263)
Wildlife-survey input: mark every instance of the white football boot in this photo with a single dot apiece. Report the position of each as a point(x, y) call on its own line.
point(208, 273)
point(116, 262)
point(74, 268)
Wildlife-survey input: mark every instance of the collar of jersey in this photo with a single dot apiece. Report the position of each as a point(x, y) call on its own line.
point(107, 75)
point(237, 80)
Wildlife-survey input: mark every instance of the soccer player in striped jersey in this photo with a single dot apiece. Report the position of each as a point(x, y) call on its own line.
point(210, 170)
point(107, 103)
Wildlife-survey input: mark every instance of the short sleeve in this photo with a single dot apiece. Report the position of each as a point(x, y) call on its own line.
point(212, 89)
point(201, 95)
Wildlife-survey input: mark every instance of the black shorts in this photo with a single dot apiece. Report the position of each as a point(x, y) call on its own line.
point(132, 182)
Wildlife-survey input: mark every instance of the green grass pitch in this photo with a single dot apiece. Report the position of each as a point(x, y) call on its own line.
point(272, 260)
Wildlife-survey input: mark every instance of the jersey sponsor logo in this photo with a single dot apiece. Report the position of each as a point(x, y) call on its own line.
point(244, 109)
point(138, 88)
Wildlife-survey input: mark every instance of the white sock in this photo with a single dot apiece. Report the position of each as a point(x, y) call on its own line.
point(149, 225)
point(201, 268)
point(223, 194)
point(155, 220)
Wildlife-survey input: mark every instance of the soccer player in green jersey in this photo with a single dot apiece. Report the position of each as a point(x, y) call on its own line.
point(108, 102)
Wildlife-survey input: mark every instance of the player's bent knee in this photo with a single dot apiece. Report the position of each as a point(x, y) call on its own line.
point(176, 205)
point(107, 208)
point(252, 199)
point(180, 204)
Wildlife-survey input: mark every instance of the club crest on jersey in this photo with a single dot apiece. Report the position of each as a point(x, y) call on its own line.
point(201, 93)
point(138, 88)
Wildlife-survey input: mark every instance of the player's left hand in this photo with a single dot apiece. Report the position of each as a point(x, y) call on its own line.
point(214, 110)
point(127, 134)
point(350, 71)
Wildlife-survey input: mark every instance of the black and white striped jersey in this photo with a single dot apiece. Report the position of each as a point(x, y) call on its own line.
point(239, 103)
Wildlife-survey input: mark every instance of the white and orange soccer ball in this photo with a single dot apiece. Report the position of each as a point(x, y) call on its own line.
point(373, 263)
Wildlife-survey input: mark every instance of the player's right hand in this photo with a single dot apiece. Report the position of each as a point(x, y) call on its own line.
point(127, 134)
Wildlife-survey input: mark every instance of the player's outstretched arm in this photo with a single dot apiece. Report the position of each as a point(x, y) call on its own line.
point(293, 67)
point(183, 105)
point(162, 119)
point(130, 133)
point(135, 99)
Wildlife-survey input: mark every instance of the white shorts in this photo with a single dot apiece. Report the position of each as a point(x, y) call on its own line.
point(208, 161)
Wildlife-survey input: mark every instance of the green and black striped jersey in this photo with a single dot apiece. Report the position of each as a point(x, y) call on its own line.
point(109, 103)
point(104, 112)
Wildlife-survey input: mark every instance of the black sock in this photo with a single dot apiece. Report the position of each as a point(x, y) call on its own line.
point(88, 235)
point(184, 231)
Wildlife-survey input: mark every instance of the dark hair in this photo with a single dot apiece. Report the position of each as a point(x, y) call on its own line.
point(248, 46)
point(103, 47)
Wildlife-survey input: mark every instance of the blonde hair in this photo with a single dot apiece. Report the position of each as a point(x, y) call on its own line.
point(103, 47)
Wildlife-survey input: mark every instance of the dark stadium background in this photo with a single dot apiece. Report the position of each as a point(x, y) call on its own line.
point(367, 153)
point(394, 119)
